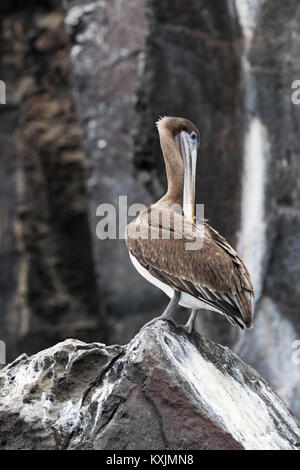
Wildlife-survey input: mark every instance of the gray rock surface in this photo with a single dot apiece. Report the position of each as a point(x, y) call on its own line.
point(164, 390)
point(107, 52)
point(47, 281)
point(272, 70)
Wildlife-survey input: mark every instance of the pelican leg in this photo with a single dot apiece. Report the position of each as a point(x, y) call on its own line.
point(189, 326)
point(168, 313)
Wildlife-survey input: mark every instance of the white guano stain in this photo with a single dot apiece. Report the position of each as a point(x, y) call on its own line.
point(69, 416)
point(19, 381)
point(76, 12)
point(248, 11)
point(252, 234)
point(238, 409)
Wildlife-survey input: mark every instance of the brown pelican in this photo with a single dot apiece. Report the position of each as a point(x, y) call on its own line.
point(212, 277)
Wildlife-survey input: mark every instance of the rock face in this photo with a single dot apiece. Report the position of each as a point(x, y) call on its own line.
point(47, 284)
point(164, 390)
point(228, 66)
point(106, 56)
point(274, 138)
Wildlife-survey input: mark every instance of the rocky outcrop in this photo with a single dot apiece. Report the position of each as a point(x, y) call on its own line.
point(164, 390)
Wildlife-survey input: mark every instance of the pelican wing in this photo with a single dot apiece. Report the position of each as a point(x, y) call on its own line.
point(213, 272)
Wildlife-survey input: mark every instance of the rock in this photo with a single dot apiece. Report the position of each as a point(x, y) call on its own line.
point(274, 258)
point(47, 283)
point(106, 56)
point(164, 390)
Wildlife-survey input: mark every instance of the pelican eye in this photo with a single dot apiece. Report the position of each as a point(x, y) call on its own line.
point(193, 136)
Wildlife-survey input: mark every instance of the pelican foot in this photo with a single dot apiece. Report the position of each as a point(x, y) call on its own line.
point(168, 313)
point(154, 320)
point(188, 328)
point(190, 324)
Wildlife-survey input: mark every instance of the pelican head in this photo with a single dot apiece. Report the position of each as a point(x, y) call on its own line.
point(187, 140)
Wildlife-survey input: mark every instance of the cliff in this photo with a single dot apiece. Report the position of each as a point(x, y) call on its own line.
point(85, 84)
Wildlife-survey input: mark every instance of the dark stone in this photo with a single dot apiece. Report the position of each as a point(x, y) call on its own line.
point(192, 69)
point(106, 55)
point(48, 288)
point(164, 390)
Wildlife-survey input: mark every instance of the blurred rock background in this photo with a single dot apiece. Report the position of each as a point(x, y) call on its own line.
point(86, 82)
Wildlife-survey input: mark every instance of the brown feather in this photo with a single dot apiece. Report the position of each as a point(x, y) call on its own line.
point(215, 267)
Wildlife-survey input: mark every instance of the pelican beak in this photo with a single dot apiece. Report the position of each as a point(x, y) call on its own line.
point(188, 150)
